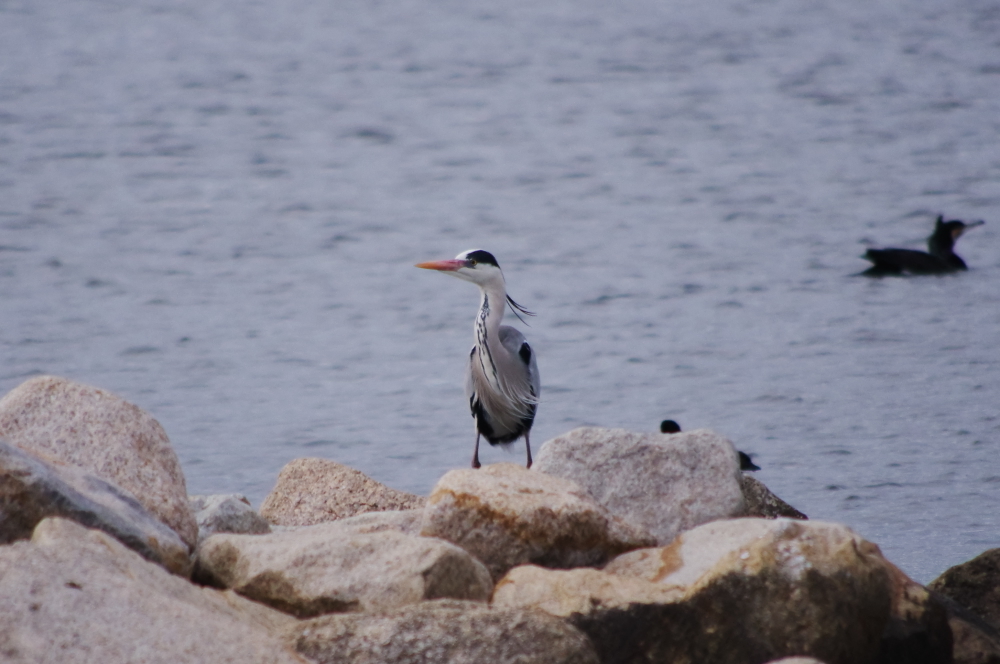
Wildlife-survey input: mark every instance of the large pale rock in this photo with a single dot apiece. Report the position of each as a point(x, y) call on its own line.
point(84, 426)
point(506, 515)
point(665, 484)
point(333, 567)
point(226, 513)
point(443, 632)
point(77, 596)
point(311, 491)
point(629, 620)
point(567, 593)
point(407, 522)
point(31, 490)
point(974, 584)
point(740, 591)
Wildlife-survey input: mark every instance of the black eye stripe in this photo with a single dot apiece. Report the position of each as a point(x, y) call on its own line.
point(480, 256)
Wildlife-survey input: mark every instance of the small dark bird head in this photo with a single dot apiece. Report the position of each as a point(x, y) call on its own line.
point(746, 463)
point(669, 426)
point(946, 233)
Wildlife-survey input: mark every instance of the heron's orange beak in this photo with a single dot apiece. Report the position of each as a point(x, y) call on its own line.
point(452, 265)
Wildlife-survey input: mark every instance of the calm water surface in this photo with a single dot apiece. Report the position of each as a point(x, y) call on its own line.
point(213, 209)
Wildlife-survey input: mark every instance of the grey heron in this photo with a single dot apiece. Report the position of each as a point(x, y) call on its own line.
point(501, 380)
point(939, 258)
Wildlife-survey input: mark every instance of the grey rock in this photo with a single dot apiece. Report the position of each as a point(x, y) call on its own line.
point(974, 584)
point(443, 632)
point(970, 594)
point(59, 420)
point(407, 522)
point(403, 521)
point(78, 596)
point(337, 566)
point(761, 502)
point(311, 491)
point(974, 641)
point(31, 490)
point(226, 513)
point(665, 484)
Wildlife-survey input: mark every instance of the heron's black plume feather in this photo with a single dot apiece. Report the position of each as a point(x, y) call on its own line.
point(515, 307)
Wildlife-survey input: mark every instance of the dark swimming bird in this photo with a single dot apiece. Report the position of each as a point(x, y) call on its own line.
point(501, 380)
point(669, 426)
point(940, 257)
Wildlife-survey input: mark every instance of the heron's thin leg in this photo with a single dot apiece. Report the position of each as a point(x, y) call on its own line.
point(475, 454)
point(527, 445)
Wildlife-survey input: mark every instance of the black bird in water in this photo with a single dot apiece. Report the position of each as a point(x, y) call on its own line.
point(669, 426)
point(940, 257)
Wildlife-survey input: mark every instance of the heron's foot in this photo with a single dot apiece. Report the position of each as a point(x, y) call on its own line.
point(475, 462)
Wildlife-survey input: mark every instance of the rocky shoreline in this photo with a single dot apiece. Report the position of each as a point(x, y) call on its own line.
point(616, 547)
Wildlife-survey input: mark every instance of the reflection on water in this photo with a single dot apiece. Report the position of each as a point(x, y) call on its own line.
point(214, 212)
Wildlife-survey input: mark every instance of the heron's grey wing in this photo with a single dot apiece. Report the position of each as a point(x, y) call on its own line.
point(502, 414)
point(523, 381)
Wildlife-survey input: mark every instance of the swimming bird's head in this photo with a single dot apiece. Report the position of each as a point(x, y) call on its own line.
point(952, 230)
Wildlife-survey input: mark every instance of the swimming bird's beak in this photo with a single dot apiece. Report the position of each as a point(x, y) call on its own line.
point(972, 224)
point(451, 265)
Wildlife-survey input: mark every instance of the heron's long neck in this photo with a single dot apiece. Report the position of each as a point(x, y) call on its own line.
point(491, 305)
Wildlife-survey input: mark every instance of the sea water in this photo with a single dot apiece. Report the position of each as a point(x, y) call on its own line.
point(213, 210)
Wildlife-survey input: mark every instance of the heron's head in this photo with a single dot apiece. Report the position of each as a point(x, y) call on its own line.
point(475, 265)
